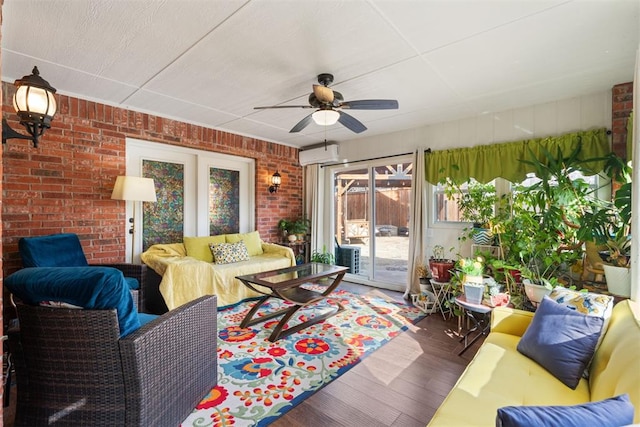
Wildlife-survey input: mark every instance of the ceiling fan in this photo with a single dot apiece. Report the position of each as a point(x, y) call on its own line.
point(329, 105)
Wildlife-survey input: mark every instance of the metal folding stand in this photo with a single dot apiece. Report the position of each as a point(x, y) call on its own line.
point(441, 291)
point(481, 324)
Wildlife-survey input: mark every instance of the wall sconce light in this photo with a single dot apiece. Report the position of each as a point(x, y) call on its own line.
point(276, 179)
point(35, 105)
point(325, 117)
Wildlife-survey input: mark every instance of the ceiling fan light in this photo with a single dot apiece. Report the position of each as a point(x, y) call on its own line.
point(325, 117)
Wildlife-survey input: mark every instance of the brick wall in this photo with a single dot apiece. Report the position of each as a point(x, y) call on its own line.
point(621, 105)
point(65, 184)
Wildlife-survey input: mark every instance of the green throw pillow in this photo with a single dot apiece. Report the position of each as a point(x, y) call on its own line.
point(198, 247)
point(251, 240)
point(226, 253)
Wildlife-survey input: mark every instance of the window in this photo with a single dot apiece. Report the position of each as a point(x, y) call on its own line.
point(476, 204)
point(448, 209)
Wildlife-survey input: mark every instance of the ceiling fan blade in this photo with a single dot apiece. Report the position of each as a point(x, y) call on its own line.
point(371, 104)
point(323, 94)
point(301, 124)
point(283, 106)
point(351, 122)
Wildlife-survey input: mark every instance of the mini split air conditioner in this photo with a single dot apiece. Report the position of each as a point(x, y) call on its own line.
point(322, 154)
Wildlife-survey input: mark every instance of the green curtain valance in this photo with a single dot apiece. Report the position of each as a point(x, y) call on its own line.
point(486, 162)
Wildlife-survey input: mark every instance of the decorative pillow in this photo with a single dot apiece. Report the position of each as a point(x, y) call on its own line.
point(587, 303)
point(226, 253)
point(198, 247)
point(614, 412)
point(251, 240)
point(561, 340)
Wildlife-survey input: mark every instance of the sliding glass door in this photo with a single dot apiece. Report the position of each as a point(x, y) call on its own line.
point(371, 218)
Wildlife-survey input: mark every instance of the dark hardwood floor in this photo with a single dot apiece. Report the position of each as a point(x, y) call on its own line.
point(401, 384)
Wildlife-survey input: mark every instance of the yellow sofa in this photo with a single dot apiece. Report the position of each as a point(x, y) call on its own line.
point(182, 272)
point(500, 376)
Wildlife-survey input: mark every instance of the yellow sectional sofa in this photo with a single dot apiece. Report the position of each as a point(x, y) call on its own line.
point(182, 272)
point(500, 376)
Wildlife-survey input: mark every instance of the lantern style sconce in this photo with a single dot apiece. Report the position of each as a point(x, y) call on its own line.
point(35, 105)
point(276, 179)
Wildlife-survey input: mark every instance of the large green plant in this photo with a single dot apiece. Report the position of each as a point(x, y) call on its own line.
point(619, 239)
point(542, 226)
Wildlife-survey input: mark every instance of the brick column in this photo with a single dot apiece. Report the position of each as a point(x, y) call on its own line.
point(621, 105)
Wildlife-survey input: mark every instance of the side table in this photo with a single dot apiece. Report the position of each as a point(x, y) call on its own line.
point(479, 316)
point(300, 250)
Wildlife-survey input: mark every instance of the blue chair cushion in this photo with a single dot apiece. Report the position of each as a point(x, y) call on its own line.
point(55, 250)
point(145, 318)
point(86, 287)
point(132, 283)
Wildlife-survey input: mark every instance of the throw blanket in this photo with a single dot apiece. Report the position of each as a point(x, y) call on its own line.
point(94, 288)
point(185, 278)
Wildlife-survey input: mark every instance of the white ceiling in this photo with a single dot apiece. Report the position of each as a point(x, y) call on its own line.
point(210, 62)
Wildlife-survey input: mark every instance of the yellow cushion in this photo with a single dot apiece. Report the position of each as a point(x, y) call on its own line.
point(615, 368)
point(198, 247)
point(500, 376)
point(251, 240)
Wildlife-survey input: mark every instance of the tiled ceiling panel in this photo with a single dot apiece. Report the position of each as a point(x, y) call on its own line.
point(211, 62)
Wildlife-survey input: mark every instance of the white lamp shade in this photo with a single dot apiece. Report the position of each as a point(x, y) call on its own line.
point(134, 188)
point(326, 117)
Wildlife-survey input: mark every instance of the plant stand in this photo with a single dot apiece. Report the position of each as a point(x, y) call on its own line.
point(481, 323)
point(425, 301)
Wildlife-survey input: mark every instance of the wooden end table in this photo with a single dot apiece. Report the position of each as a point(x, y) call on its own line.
point(285, 284)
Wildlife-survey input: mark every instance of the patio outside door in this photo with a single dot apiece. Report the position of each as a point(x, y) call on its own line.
point(371, 217)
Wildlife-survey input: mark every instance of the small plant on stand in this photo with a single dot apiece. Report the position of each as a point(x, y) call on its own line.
point(472, 280)
point(439, 265)
point(424, 274)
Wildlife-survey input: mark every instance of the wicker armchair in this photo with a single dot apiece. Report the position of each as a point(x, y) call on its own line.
point(73, 369)
point(65, 250)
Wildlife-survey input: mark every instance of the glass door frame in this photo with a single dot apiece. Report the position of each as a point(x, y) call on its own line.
point(369, 166)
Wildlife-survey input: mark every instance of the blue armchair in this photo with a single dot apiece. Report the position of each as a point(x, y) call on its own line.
point(65, 250)
point(105, 364)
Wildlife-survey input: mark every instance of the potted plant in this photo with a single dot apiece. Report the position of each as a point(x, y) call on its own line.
point(284, 226)
point(300, 227)
point(439, 265)
point(617, 257)
point(542, 227)
point(472, 270)
point(423, 273)
point(323, 257)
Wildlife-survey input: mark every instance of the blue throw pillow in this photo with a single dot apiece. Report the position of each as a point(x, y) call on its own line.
point(54, 250)
point(614, 412)
point(561, 340)
point(86, 287)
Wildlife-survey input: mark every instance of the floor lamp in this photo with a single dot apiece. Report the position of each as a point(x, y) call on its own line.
point(134, 189)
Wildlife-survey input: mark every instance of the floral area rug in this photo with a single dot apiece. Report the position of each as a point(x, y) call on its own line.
point(258, 380)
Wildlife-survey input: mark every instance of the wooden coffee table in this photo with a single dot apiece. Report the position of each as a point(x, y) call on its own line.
point(285, 284)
